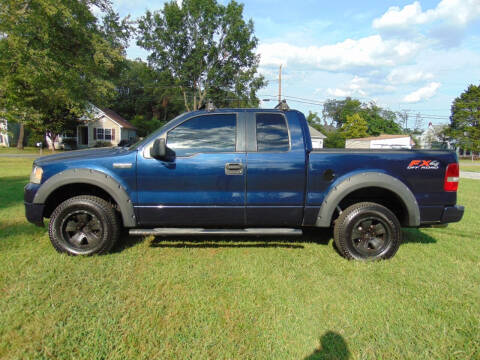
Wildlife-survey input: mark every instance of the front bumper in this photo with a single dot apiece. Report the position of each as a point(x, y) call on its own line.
point(34, 213)
point(452, 214)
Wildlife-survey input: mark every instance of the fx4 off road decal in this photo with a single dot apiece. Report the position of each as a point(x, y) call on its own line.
point(423, 165)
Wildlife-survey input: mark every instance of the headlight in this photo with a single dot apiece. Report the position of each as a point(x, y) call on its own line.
point(36, 176)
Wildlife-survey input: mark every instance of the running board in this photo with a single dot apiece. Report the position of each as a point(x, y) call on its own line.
point(219, 232)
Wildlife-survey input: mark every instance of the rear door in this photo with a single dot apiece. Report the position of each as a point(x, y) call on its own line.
point(204, 185)
point(276, 170)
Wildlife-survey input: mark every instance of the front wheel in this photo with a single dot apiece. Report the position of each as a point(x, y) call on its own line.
point(367, 231)
point(84, 225)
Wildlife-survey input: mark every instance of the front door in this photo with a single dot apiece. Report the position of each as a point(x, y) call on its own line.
point(82, 135)
point(204, 184)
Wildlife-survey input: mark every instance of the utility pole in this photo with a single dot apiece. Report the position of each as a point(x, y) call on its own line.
point(405, 118)
point(280, 85)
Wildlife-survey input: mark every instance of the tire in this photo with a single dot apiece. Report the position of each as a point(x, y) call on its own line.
point(84, 225)
point(367, 231)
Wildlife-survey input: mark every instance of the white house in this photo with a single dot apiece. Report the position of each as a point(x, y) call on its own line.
point(381, 142)
point(103, 126)
point(317, 138)
point(4, 141)
point(432, 138)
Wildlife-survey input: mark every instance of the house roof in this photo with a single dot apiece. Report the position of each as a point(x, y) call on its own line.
point(381, 137)
point(118, 119)
point(315, 133)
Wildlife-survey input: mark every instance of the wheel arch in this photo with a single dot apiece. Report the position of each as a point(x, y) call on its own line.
point(348, 186)
point(95, 179)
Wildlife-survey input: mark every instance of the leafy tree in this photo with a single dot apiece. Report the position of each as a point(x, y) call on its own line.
point(55, 57)
point(335, 140)
point(355, 127)
point(338, 110)
point(207, 47)
point(465, 119)
point(313, 119)
point(380, 121)
point(146, 95)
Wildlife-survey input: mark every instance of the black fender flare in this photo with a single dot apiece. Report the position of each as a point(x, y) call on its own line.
point(91, 177)
point(368, 179)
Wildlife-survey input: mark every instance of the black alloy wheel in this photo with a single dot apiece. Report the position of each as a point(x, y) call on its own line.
point(367, 231)
point(84, 225)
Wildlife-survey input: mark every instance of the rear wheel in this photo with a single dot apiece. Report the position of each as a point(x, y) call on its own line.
point(84, 225)
point(367, 231)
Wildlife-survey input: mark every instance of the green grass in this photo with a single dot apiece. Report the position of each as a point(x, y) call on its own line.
point(197, 299)
point(26, 150)
point(471, 168)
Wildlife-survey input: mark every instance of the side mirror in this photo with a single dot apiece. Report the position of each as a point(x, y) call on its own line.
point(159, 149)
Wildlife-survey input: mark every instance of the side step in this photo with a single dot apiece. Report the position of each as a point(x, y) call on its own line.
point(221, 232)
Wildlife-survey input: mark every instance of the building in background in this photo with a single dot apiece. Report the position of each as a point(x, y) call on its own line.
point(433, 138)
point(317, 138)
point(104, 127)
point(4, 140)
point(381, 142)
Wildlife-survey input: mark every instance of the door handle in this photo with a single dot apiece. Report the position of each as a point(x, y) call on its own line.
point(233, 169)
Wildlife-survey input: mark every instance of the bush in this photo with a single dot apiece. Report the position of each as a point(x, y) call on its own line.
point(69, 144)
point(100, 144)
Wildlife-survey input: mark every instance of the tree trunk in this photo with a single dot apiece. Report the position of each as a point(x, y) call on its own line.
point(185, 98)
point(21, 136)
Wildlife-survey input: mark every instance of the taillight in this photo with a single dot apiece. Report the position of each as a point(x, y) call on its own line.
point(452, 176)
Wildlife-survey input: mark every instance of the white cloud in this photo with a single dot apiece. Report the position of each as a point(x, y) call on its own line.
point(371, 51)
point(456, 12)
point(423, 93)
point(355, 87)
point(359, 87)
point(406, 75)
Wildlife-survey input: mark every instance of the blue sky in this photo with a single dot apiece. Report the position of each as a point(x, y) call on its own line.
point(415, 55)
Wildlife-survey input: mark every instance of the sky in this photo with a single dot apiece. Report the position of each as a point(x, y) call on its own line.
point(404, 55)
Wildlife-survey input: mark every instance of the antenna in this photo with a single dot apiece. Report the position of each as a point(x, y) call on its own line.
point(210, 106)
point(282, 105)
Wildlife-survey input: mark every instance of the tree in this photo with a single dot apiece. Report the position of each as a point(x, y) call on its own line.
point(465, 119)
point(338, 110)
point(355, 127)
point(147, 97)
point(55, 58)
point(334, 140)
point(314, 120)
point(379, 120)
point(207, 47)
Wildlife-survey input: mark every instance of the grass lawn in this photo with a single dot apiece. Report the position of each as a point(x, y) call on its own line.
point(197, 299)
point(472, 168)
point(26, 150)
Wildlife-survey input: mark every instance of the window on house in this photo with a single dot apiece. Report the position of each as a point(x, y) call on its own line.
point(108, 134)
point(100, 134)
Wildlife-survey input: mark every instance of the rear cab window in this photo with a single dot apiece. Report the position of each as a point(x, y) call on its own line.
point(271, 133)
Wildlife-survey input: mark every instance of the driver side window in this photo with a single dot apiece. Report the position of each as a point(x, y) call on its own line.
point(204, 134)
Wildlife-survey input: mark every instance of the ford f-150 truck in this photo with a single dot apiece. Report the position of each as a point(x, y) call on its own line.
point(241, 171)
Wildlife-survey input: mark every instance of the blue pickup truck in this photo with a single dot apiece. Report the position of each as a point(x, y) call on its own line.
point(241, 171)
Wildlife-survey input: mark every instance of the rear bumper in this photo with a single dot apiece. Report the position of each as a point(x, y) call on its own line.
point(452, 214)
point(34, 213)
